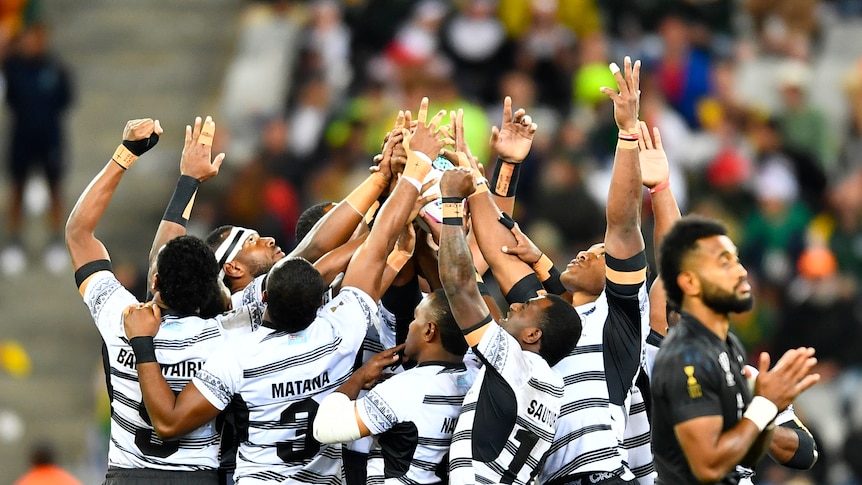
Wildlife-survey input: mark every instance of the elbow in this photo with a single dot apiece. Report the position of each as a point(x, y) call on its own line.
point(168, 431)
point(708, 474)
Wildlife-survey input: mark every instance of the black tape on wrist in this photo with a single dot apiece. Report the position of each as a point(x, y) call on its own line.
point(183, 193)
point(453, 221)
point(513, 174)
point(139, 147)
point(451, 200)
point(144, 349)
point(553, 284)
point(805, 457)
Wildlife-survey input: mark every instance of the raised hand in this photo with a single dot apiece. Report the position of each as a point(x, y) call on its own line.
point(626, 100)
point(197, 151)
point(512, 141)
point(140, 135)
point(142, 320)
point(426, 137)
point(788, 379)
point(655, 169)
point(457, 182)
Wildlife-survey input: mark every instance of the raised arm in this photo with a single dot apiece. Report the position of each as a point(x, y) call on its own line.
point(512, 142)
point(623, 238)
point(655, 173)
point(365, 270)
point(489, 234)
point(456, 265)
point(196, 167)
point(138, 137)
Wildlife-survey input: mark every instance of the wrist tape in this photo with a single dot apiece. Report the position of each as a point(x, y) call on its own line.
point(180, 207)
point(144, 349)
point(453, 211)
point(123, 157)
point(504, 181)
point(761, 412)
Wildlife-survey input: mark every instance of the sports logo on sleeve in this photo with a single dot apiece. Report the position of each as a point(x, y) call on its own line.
point(694, 390)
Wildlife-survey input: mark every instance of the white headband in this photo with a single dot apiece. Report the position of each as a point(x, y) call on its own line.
point(231, 245)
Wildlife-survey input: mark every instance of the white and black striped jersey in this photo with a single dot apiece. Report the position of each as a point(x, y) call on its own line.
point(413, 417)
point(280, 378)
point(509, 414)
point(252, 294)
point(182, 345)
point(598, 375)
point(636, 437)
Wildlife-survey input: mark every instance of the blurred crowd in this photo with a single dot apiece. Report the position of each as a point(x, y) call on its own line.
point(732, 84)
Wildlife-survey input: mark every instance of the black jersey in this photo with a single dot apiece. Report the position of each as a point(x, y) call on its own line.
point(696, 374)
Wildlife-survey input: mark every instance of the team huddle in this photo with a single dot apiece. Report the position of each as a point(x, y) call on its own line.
point(373, 352)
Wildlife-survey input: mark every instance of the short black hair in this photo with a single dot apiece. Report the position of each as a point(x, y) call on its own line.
point(294, 292)
point(675, 246)
point(309, 218)
point(187, 272)
point(450, 334)
point(561, 329)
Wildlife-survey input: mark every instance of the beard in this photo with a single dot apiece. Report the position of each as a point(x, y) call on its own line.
point(725, 302)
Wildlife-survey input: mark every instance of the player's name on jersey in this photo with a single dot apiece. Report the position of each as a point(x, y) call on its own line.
point(542, 413)
point(302, 386)
point(181, 369)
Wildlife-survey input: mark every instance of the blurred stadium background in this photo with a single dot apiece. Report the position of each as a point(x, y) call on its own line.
point(759, 103)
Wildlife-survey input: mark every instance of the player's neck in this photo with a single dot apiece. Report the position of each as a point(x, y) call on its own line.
point(239, 284)
point(582, 298)
point(438, 354)
point(717, 323)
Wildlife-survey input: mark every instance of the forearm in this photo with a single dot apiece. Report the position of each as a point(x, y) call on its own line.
point(490, 237)
point(176, 216)
point(623, 238)
point(666, 213)
point(336, 227)
point(159, 399)
point(459, 278)
point(353, 386)
point(88, 211)
point(793, 447)
point(336, 261)
point(732, 447)
point(390, 220)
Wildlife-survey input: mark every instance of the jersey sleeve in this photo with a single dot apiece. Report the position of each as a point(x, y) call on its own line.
point(385, 405)
point(106, 297)
point(220, 377)
point(688, 387)
point(500, 352)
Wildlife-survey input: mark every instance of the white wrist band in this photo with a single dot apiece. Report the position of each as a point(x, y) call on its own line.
point(413, 182)
point(761, 412)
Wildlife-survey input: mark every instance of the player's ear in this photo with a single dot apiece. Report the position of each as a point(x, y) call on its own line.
point(233, 269)
point(430, 331)
point(689, 283)
point(531, 335)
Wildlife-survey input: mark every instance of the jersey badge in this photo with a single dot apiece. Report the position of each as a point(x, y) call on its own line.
point(297, 338)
